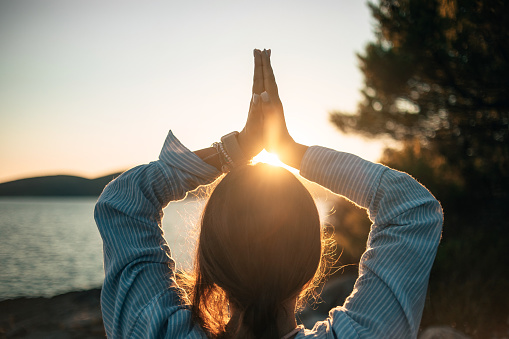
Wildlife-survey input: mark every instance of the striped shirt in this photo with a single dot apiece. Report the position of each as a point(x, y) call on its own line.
point(140, 296)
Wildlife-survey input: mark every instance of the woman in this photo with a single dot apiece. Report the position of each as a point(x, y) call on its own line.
point(260, 243)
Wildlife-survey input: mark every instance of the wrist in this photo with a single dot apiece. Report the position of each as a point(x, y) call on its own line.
point(246, 145)
point(292, 154)
point(241, 138)
point(210, 156)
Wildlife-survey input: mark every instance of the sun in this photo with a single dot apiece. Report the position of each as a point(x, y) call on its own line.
point(268, 158)
point(271, 159)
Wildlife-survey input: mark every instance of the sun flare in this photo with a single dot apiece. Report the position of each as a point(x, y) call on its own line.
point(271, 159)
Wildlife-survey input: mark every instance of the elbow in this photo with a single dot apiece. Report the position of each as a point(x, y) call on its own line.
point(431, 208)
point(437, 213)
point(105, 206)
point(99, 209)
point(110, 191)
point(435, 220)
point(100, 214)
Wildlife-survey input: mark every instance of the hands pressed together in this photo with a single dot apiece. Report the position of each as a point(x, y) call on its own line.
point(266, 126)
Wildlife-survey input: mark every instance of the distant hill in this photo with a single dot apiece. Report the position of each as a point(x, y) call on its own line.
point(56, 185)
point(68, 185)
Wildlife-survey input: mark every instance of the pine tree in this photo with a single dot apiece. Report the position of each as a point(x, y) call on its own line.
point(438, 72)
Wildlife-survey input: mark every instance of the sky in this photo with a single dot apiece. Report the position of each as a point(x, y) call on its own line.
point(92, 87)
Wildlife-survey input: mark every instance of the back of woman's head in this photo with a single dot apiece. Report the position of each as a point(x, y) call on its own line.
point(259, 246)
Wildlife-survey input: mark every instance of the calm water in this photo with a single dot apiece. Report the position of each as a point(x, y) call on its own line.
point(51, 245)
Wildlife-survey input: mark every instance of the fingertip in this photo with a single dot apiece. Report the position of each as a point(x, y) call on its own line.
point(264, 56)
point(265, 97)
point(258, 54)
point(256, 98)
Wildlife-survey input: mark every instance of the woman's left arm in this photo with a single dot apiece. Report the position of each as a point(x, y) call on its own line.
point(139, 269)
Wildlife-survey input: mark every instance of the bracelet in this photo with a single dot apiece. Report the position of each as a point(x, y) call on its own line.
point(229, 152)
point(224, 158)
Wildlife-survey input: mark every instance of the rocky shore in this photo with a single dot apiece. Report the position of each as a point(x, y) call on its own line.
point(78, 315)
point(70, 315)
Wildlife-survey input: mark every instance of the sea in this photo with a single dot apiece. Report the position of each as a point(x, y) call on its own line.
point(51, 245)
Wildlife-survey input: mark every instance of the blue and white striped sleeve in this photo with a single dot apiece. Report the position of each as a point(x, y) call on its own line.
point(389, 294)
point(140, 297)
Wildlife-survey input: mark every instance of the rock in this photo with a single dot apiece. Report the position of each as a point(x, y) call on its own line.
point(442, 332)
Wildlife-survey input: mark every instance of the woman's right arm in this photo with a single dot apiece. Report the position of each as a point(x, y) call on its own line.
point(388, 297)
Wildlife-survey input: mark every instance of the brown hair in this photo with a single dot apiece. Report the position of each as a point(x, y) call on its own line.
point(260, 245)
